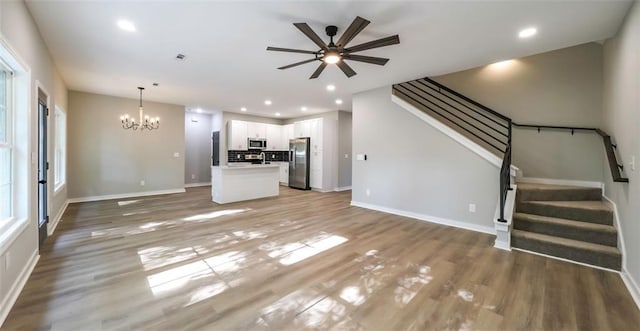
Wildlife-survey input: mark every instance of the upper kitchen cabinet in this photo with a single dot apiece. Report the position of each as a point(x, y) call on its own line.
point(274, 137)
point(256, 130)
point(237, 135)
point(302, 128)
point(287, 134)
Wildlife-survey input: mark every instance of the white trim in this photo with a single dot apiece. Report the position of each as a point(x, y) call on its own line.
point(428, 218)
point(503, 230)
point(125, 195)
point(616, 220)
point(10, 232)
point(17, 287)
point(565, 260)
point(197, 184)
point(554, 181)
point(632, 286)
point(59, 187)
point(453, 134)
point(340, 189)
point(52, 225)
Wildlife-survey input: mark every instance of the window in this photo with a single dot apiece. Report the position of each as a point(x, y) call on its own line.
point(6, 147)
point(60, 157)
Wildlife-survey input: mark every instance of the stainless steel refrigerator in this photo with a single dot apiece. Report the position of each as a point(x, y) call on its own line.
point(299, 163)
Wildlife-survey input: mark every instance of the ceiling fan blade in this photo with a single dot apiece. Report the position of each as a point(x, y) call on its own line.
point(368, 59)
point(345, 68)
point(296, 64)
point(306, 29)
point(291, 50)
point(392, 40)
point(318, 71)
point(356, 27)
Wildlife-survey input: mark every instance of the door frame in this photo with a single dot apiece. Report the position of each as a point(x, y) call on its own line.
point(35, 151)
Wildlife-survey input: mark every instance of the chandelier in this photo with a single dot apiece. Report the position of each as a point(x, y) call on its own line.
point(144, 123)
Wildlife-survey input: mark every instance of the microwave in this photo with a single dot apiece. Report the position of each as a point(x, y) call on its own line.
point(257, 143)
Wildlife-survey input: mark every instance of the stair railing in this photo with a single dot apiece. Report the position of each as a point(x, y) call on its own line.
point(486, 126)
point(615, 167)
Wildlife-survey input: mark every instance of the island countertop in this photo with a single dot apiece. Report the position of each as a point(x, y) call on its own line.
point(249, 166)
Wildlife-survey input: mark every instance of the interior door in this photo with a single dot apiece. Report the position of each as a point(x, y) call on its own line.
point(43, 166)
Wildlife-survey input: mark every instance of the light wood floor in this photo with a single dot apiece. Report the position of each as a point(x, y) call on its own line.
point(304, 260)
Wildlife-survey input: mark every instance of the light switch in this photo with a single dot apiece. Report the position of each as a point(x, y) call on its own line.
point(346, 156)
point(176, 154)
point(632, 164)
point(360, 157)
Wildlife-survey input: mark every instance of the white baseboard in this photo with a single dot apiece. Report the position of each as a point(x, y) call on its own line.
point(427, 218)
point(17, 287)
point(616, 221)
point(56, 220)
point(340, 189)
point(632, 286)
point(197, 184)
point(126, 195)
point(553, 181)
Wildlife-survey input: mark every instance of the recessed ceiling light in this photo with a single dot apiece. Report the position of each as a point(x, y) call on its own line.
point(338, 101)
point(303, 108)
point(126, 25)
point(243, 109)
point(501, 64)
point(277, 114)
point(331, 87)
point(267, 102)
point(198, 110)
point(528, 32)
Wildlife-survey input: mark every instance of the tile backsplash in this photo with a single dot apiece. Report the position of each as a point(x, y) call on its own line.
point(275, 156)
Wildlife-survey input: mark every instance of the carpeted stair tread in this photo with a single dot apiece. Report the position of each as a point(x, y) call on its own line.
point(586, 211)
point(570, 229)
point(531, 191)
point(576, 250)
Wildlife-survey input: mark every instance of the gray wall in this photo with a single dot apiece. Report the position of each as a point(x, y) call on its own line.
point(344, 148)
point(415, 168)
point(562, 87)
point(20, 33)
point(105, 159)
point(621, 119)
point(197, 150)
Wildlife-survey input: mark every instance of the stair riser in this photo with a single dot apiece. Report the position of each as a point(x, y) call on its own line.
point(578, 194)
point(559, 230)
point(571, 253)
point(577, 214)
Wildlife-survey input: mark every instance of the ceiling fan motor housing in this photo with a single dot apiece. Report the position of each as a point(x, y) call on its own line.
point(331, 30)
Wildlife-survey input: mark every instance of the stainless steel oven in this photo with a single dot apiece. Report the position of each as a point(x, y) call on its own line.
point(257, 143)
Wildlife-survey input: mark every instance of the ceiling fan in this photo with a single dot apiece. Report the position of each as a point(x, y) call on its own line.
point(336, 53)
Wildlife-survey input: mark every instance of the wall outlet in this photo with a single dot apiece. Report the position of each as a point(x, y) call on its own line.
point(632, 164)
point(237, 156)
point(346, 156)
point(273, 156)
point(193, 176)
point(142, 183)
point(368, 192)
point(7, 258)
point(472, 207)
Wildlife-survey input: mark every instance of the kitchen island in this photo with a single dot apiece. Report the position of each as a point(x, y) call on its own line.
point(240, 182)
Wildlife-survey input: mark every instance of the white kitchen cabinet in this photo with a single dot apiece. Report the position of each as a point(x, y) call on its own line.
point(315, 167)
point(302, 128)
point(274, 137)
point(284, 173)
point(256, 130)
point(287, 134)
point(236, 135)
point(316, 134)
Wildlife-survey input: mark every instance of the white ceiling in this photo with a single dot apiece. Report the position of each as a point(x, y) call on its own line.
point(227, 66)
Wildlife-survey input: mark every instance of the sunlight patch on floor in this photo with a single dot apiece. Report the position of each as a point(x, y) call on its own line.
point(215, 214)
point(309, 251)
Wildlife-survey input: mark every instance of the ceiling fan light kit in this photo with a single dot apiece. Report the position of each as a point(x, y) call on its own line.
point(337, 53)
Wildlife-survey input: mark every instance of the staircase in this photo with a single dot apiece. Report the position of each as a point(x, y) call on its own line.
point(566, 221)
